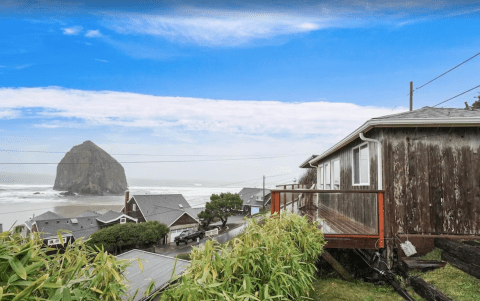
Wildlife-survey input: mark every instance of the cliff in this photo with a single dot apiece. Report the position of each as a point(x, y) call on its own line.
point(88, 169)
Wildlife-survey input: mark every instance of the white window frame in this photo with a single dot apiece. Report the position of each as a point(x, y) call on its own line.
point(320, 177)
point(367, 183)
point(123, 220)
point(332, 170)
point(134, 207)
point(327, 171)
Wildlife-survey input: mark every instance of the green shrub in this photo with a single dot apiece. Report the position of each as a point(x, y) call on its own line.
point(129, 234)
point(77, 273)
point(185, 256)
point(275, 261)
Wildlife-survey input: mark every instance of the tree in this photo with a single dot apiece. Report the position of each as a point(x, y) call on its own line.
point(309, 177)
point(206, 217)
point(476, 104)
point(221, 206)
point(122, 235)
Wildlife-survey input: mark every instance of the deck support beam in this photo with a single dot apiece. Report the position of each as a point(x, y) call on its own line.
point(337, 266)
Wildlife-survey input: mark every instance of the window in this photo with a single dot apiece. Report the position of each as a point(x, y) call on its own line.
point(134, 207)
point(320, 177)
point(360, 168)
point(123, 220)
point(327, 175)
point(336, 174)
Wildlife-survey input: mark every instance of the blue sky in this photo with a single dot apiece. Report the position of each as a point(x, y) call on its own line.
point(244, 78)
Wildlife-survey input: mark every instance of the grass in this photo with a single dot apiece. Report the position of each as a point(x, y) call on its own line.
point(184, 256)
point(434, 255)
point(455, 283)
point(339, 290)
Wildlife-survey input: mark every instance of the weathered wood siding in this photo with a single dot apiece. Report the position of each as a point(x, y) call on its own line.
point(432, 180)
point(135, 214)
point(360, 207)
point(185, 220)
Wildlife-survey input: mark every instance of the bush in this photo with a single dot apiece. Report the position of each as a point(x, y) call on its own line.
point(275, 261)
point(129, 234)
point(78, 273)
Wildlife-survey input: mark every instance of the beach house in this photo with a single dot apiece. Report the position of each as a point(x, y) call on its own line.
point(170, 209)
point(412, 175)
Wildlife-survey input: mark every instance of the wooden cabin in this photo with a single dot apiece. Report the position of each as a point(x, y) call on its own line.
point(425, 163)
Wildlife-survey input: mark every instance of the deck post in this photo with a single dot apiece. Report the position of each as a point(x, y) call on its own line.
point(337, 266)
point(275, 203)
point(381, 221)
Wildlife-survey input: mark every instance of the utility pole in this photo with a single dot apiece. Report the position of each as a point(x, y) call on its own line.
point(263, 199)
point(411, 96)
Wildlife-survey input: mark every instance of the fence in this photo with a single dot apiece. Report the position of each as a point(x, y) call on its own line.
point(211, 232)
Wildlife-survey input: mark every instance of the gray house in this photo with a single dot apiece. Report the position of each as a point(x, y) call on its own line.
point(83, 225)
point(170, 209)
point(253, 199)
point(425, 160)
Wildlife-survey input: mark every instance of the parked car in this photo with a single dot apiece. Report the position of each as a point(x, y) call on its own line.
point(189, 235)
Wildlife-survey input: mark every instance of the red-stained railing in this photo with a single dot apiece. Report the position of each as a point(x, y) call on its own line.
point(341, 213)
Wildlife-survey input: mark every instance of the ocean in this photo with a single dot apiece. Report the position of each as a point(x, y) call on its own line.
point(22, 197)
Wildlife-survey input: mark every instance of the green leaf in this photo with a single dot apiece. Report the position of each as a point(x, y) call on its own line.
point(18, 268)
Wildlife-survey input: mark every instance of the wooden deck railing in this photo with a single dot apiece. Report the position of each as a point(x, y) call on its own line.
point(340, 213)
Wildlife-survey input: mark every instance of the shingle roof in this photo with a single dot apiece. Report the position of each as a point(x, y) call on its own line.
point(44, 216)
point(109, 215)
point(253, 196)
point(163, 208)
point(88, 213)
point(156, 267)
point(427, 116)
point(433, 113)
point(85, 227)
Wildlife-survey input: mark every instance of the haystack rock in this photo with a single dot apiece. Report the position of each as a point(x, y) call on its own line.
point(88, 169)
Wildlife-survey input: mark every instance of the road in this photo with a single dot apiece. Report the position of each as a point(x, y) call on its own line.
point(222, 238)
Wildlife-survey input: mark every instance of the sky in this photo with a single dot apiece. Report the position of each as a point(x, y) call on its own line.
point(250, 88)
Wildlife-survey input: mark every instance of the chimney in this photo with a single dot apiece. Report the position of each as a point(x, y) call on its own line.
point(127, 196)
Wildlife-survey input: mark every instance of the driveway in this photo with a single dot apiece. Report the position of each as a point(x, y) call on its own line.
point(173, 250)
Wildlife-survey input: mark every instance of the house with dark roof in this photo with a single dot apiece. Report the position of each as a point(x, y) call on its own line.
point(83, 225)
point(253, 199)
point(170, 209)
point(427, 163)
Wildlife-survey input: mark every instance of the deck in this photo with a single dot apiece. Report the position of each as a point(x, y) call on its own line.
point(348, 218)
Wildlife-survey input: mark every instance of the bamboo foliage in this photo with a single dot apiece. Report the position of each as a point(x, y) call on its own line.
point(27, 272)
point(273, 261)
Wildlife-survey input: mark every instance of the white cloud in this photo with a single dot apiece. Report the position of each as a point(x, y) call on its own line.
point(8, 114)
point(73, 31)
point(219, 29)
point(191, 114)
point(93, 34)
point(103, 61)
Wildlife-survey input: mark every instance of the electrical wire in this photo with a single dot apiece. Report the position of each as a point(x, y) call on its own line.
point(222, 186)
point(144, 162)
point(447, 72)
point(457, 95)
point(150, 155)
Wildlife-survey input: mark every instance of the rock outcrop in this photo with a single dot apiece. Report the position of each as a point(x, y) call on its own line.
point(88, 169)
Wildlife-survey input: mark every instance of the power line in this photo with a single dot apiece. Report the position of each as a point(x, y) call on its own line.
point(146, 155)
point(447, 72)
point(222, 186)
point(149, 162)
point(457, 95)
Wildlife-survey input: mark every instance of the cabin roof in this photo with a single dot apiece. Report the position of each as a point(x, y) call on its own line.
point(164, 208)
point(84, 226)
point(156, 267)
point(424, 117)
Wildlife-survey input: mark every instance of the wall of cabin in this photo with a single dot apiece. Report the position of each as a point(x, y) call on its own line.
point(432, 180)
point(360, 207)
